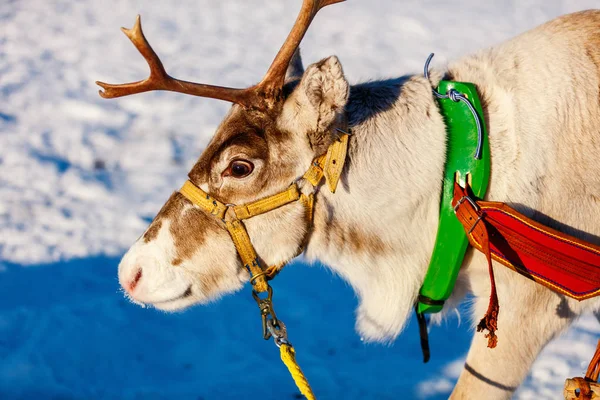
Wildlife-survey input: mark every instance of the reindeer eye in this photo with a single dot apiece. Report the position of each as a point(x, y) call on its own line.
point(239, 169)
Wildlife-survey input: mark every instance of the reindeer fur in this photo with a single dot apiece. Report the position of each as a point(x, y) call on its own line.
point(541, 100)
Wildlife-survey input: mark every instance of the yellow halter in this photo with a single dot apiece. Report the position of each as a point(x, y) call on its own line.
point(328, 165)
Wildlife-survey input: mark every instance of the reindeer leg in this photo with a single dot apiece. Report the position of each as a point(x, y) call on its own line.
point(530, 316)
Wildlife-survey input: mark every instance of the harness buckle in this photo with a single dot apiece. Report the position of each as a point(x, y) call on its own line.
point(470, 200)
point(475, 206)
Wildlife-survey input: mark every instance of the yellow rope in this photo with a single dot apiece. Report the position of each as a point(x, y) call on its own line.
point(288, 356)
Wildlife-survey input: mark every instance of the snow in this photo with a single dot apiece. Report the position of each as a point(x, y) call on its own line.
point(81, 176)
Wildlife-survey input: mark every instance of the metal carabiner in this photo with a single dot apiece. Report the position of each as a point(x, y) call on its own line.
point(278, 331)
point(266, 310)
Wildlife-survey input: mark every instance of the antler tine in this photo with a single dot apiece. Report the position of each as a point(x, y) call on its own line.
point(275, 76)
point(264, 94)
point(160, 80)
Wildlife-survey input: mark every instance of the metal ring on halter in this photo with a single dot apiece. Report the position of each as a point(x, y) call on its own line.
point(230, 206)
point(255, 277)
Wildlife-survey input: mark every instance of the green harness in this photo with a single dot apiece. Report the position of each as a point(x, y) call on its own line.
point(461, 165)
point(451, 241)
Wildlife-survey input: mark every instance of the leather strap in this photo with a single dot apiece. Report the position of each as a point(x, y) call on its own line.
point(334, 161)
point(585, 388)
point(594, 368)
point(467, 212)
point(329, 165)
point(423, 334)
point(561, 262)
point(315, 172)
point(203, 200)
point(253, 209)
point(247, 254)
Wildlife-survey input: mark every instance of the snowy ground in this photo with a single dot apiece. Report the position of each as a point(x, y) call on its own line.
point(81, 176)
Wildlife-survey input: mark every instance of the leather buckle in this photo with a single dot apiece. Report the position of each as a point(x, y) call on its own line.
point(470, 200)
point(475, 206)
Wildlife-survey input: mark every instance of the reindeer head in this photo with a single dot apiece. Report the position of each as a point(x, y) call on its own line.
point(267, 141)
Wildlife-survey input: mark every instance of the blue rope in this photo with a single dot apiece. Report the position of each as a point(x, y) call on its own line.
point(457, 96)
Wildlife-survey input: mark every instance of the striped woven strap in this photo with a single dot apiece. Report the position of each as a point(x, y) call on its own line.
point(267, 204)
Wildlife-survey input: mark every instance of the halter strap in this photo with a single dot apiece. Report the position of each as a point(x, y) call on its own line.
point(262, 206)
point(329, 165)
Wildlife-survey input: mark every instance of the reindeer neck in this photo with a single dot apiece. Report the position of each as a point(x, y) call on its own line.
point(378, 229)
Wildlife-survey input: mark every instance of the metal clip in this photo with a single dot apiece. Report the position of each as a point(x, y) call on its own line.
point(271, 326)
point(266, 311)
point(279, 332)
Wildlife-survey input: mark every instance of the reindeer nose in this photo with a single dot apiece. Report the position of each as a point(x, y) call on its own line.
point(131, 285)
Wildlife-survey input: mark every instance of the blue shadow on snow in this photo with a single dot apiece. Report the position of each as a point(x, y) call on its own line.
point(66, 332)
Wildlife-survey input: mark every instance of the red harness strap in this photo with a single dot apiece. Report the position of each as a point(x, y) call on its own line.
point(558, 261)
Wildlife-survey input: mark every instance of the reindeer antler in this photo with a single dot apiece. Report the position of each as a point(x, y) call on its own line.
point(275, 76)
point(263, 94)
point(160, 80)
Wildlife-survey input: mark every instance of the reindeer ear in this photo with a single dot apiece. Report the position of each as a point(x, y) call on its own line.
point(325, 89)
point(295, 69)
point(317, 103)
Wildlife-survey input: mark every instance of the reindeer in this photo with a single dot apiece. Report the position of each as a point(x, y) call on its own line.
point(541, 99)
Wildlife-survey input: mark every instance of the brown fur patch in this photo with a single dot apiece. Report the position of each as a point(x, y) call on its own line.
point(254, 134)
point(209, 282)
point(348, 237)
point(319, 142)
point(153, 229)
point(235, 130)
point(176, 261)
point(156, 223)
point(361, 242)
point(189, 228)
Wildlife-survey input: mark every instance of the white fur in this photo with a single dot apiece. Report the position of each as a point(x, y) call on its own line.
point(172, 288)
point(543, 115)
point(159, 284)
